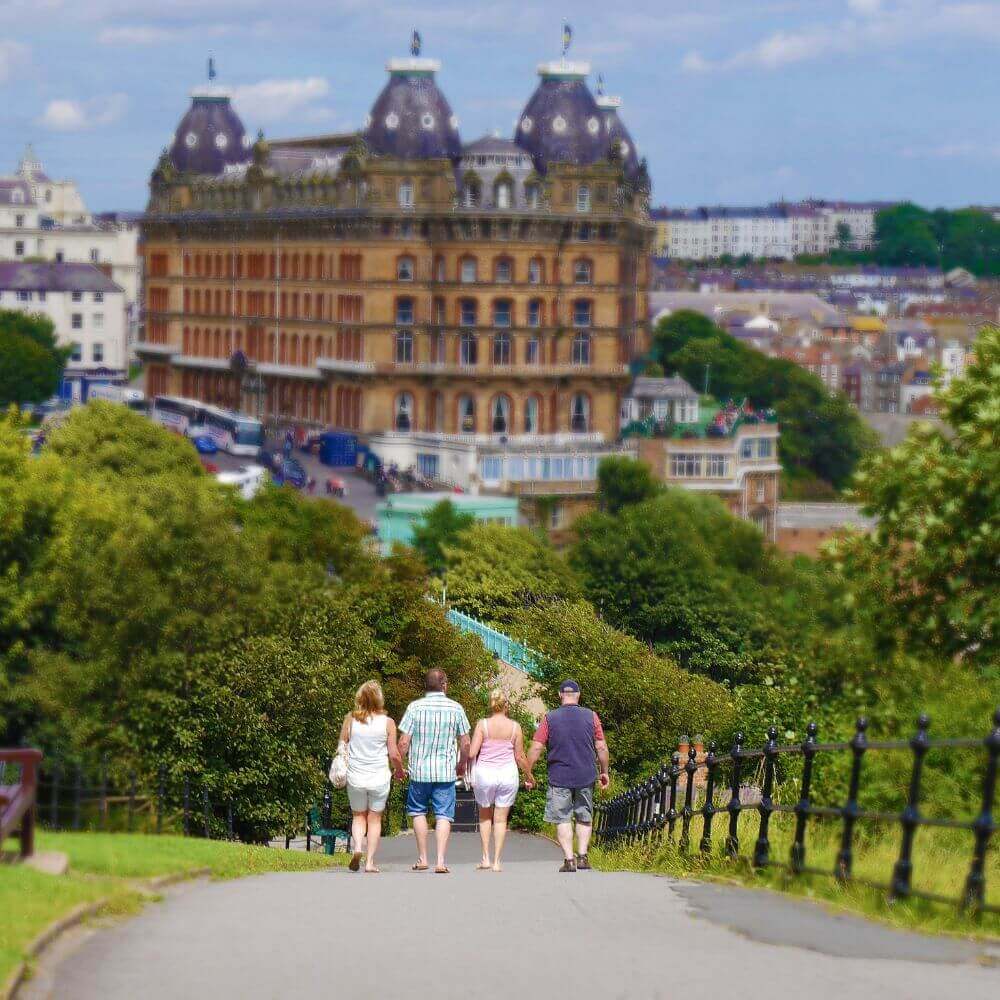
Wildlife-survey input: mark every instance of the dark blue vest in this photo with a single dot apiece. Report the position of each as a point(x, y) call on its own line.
point(572, 759)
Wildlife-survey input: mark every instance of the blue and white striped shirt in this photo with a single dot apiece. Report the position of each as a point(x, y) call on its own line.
point(433, 724)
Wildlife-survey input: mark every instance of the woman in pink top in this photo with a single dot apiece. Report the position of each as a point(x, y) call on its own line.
point(498, 750)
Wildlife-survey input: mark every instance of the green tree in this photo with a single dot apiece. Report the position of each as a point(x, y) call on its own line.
point(646, 702)
point(905, 237)
point(494, 571)
point(843, 236)
point(926, 577)
point(970, 238)
point(439, 528)
point(622, 482)
point(31, 363)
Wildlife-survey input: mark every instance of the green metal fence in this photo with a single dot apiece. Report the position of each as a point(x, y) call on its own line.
point(501, 646)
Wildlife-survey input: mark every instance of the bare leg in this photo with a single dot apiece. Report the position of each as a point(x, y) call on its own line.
point(442, 831)
point(358, 827)
point(485, 828)
point(564, 834)
point(420, 833)
point(583, 831)
point(500, 814)
point(374, 836)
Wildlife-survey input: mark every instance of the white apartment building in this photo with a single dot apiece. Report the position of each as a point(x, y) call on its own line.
point(781, 231)
point(48, 219)
point(87, 309)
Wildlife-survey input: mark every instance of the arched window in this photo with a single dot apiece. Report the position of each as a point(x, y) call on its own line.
point(583, 198)
point(295, 265)
point(533, 195)
point(581, 348)
point(404, 269)
point(406, 194)
point(501, 349)
point(582, 313)
point(468, 349)
point(472, 192)
point(583, 272)
point(467, 414)
point(533, 351)
point(404, 312)
point(440, 272)
point(532, 415)
point(467, 312)
point(579, 413)
point(504, 194)
point(502, 312)
point(403, 418)
point(435, 411)
point(500, 414)
point(468, 271)
point(503, 270)
point(536, 309)
point(404, 348)
point(536, 271)
point(294, 352)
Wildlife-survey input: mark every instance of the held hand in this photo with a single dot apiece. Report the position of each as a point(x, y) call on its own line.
point(529, 782)
point(604, 780)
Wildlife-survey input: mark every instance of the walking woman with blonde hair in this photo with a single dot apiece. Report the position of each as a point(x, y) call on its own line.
point(498, 748)
point(370, 736)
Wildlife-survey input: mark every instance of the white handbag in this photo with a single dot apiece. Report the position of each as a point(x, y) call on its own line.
point(338, 768)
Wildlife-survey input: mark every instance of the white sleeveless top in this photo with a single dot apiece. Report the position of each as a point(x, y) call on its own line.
point(368, 754)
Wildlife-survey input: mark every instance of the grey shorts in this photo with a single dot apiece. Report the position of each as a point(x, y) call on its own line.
point(564, 804)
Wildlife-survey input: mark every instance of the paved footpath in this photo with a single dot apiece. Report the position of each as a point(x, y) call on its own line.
point(527, 932)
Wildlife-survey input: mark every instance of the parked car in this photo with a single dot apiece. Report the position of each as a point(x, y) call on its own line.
point(204, 445)
point(248, 480)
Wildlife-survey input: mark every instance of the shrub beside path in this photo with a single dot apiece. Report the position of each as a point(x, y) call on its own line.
point(529, 931)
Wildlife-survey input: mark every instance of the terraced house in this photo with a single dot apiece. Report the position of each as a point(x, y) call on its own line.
point(441, 299)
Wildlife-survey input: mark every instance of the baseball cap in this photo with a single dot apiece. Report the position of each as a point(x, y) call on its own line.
point(569, 685)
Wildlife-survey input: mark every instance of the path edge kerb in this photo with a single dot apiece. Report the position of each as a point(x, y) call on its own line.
point(75, 917)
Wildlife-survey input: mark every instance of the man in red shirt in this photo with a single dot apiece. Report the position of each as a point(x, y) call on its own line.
point(575, 740)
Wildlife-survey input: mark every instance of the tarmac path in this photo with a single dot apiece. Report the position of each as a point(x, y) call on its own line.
point(526, 932)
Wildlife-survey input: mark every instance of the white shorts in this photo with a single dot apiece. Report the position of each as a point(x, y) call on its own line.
point(495, 786)
point(368, 799)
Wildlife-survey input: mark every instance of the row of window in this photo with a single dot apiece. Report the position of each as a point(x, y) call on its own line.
point(554, 468)
point(501, 348)
point(502, 312)
point(757, 448)
point(503, 270)
point(691, 465)
point(501, 416)
point(96, 352)
point(20, 249)
point(23, 295)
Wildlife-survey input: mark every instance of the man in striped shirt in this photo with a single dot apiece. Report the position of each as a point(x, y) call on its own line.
point(435, 739)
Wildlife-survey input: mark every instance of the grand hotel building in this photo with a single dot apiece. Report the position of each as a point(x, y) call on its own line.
point(446, 301)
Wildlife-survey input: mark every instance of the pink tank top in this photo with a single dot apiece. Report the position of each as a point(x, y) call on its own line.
point(496, 753)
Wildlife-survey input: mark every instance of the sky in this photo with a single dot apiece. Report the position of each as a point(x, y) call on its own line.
point(731, 101)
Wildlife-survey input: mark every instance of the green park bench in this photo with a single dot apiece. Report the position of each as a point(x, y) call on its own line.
point(327, 835)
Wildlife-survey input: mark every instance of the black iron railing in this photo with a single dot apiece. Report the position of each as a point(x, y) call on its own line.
point(672, 797)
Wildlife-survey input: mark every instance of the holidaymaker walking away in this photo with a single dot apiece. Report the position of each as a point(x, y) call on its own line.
point(575, 740)
point(370, 736)
point(435, 737)
point(498, 751)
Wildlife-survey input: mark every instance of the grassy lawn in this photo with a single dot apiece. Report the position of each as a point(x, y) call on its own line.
point(105, 866)
point(940, 865)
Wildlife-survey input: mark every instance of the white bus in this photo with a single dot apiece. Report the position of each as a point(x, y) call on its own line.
point(233, 432)
point(134, 399)
point(182, 416)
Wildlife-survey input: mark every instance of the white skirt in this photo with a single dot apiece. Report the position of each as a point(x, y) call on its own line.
point(495, 786)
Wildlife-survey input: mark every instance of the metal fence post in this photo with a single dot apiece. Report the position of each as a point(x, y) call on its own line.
point(708, 810)
point(798, 855)
point(845, 858)
point(733, 840)
point(186, 804)
point(103, 793)
point(975, 885)
point(161, 789)
point(675, 771)
point(206, 808)
point(229, 819)
point(689, 769)
point(131, 800)
point(762, 849)
point(902, 872)
point(77, 796)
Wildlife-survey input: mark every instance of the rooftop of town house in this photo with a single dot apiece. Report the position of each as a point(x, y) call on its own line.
point(674, 387)
point(49, 276)
point(867, 324)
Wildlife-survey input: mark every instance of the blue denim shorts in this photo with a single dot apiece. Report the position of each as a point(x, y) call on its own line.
point(437, 797)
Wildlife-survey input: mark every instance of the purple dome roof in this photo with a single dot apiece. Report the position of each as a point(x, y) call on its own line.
point(561, 123)
point(210, 136)
point(412, 119)
point(615, 131)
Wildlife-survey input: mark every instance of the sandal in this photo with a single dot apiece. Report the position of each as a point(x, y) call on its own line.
point(419, 868)
point(483, 868)
point(355, 861)
point(442, 871)
point(373, 871)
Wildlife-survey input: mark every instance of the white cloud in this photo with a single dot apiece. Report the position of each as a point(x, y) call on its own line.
point(870, 24)
point(272, 100)
point(13, 55)
point(77, 116)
